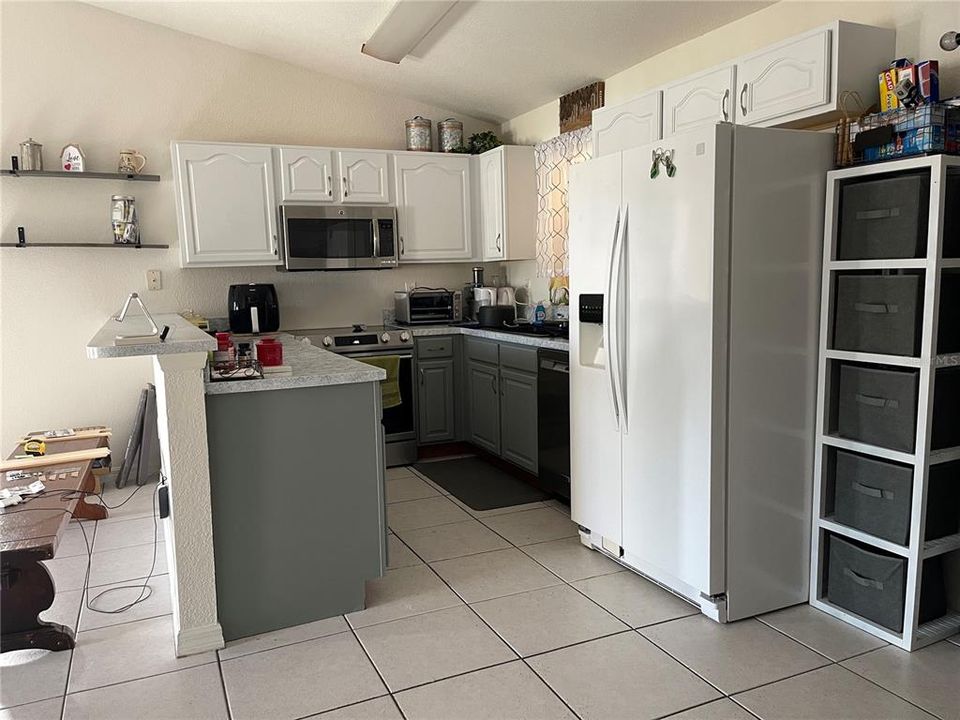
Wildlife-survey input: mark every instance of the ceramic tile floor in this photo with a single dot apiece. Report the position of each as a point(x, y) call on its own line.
point(499, 615)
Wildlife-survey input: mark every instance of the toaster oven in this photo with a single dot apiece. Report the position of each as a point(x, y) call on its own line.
point(428, 306)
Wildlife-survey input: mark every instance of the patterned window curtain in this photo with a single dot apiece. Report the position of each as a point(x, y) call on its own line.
point(553, 159)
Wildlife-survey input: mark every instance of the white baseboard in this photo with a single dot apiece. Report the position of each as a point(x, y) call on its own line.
point(191, 641)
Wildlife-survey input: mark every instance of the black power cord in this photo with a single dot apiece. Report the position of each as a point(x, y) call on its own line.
point(145, 590)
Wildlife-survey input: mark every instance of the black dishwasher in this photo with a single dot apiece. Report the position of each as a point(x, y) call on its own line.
point(553, 421)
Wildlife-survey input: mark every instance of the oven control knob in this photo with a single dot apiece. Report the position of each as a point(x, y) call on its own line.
point(385, 337)
point(327, 341)
point(404, 336)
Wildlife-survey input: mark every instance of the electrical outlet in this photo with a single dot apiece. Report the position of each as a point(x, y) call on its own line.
point(154, 280)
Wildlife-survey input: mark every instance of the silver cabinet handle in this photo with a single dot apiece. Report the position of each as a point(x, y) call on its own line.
point(274, 243)
point(421, 376)
point(401, 244)
point(499, 248)
point(743, 99)
point(723, 105)
point(493, 383)
point(343, 180)
point(329, 186)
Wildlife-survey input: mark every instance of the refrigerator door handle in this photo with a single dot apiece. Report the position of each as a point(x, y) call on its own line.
point(609, 323)
point(617, 300)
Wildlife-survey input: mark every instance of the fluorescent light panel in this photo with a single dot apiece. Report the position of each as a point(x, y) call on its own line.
point(407, 23)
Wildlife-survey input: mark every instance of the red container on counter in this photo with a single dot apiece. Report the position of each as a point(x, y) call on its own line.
point(270, 352)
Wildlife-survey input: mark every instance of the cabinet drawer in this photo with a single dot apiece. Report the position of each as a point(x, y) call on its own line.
point(518, 357)
point(482, 351)
point(885, 218)
point(878, 406)
point(878, 314)
point(434, 347)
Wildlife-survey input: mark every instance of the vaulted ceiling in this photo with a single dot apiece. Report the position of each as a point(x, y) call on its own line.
point(492, 59)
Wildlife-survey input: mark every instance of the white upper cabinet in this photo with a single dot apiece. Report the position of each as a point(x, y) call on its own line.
point(508, 203)
point(226, 204)
point(492, 204)
point(364, 177)
point(798, 82)
point(306, 174)
point(433, 207)
point(632, 124)
point(783, 80)
point(701, 100)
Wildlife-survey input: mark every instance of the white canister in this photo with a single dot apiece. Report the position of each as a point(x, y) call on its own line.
point(419, 134)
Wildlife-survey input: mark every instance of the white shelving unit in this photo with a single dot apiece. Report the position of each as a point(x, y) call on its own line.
point(914, 635)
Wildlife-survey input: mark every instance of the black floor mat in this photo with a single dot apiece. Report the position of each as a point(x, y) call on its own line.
point(479, 484)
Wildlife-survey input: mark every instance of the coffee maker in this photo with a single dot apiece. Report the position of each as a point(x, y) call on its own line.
point(253, 308)
point(476, 295)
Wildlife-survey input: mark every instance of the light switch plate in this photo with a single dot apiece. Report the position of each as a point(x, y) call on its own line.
point(154, 280)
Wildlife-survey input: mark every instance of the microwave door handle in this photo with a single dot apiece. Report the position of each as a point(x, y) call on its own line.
point(376, 238)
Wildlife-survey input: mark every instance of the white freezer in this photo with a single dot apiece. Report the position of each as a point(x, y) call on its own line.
point(692, 442)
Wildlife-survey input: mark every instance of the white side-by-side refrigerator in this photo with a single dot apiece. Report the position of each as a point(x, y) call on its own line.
point(693, 348)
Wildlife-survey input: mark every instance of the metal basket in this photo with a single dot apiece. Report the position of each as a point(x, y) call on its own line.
point(927, 129)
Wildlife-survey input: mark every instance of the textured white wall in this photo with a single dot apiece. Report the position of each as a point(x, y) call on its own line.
point(70, 72)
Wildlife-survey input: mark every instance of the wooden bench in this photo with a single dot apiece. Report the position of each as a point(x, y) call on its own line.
point(29, 534)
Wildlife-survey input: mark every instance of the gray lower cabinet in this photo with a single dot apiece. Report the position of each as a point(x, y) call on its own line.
point(483, 401)
point(518, 418)
point(436, 403)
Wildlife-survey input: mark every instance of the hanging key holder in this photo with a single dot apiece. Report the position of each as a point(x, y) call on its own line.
point(665, 158)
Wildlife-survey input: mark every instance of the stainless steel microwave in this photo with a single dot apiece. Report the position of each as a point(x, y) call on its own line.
point(339, 237)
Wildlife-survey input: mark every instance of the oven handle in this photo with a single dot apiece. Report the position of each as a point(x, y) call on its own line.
point(376, 238)
point(403, 353)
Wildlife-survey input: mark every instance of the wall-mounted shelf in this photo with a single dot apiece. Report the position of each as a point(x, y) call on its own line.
point(141, 246)
point(80, 175)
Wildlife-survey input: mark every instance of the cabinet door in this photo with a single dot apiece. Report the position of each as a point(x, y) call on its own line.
point(492, 204)
point(786, 79)
point(483, 403)
point(630, 125)
point(518, 418)
point(702, 100)
point(436, 401)
point(433, 207)
point(364, 177)
point(226, 204)
point(306, 174)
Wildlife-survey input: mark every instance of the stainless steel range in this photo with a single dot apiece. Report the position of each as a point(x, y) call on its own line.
point(364, 343)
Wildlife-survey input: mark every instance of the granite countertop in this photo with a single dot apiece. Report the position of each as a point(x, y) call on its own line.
point(184, 337)
point(541, 341)
point(312, 367)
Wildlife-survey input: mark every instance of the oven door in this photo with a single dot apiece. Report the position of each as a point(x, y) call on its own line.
point(338, 238)
point(398, 421)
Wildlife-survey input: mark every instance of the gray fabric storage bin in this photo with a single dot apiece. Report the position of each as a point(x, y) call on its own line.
point(873, 496)
point(878, 406)
point(884, 217)
point(878, 314)
point(867, 583)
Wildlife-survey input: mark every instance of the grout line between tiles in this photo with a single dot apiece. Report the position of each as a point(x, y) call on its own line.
point(341, 707)
point(799, 642)
point(123, 622)
point(744, 707)
point(144, 677)
point(502, 639)
point(223, 687)
point(890, 690)
point(289, 644)
point(383, 680)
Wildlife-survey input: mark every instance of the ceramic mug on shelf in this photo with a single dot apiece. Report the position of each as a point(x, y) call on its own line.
point(131, 162)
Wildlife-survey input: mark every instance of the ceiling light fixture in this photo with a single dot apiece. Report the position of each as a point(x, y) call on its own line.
point(407, 23)
point(950, 40)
